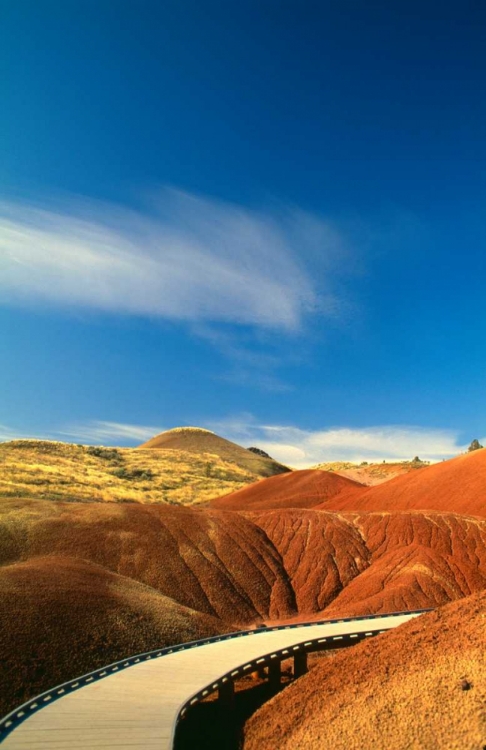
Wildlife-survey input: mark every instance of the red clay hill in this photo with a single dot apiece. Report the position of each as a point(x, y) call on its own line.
point(361, 563)
point(456, 486)
point(299, 489)
point(61, 617)
point(67, 568)
point(422, 685)
point(176, 573)
point(198, 440)
point(83, 584)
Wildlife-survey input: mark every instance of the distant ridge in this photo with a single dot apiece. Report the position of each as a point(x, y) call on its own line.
point(371, 474)
point(454, 486)
point(199, 440)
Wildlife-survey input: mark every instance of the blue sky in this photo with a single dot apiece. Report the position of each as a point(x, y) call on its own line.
point(265, 218)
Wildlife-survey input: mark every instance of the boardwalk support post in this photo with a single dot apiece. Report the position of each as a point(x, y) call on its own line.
point(274, 673)
point(91, 696)
point(226, 694)
point(300, 664)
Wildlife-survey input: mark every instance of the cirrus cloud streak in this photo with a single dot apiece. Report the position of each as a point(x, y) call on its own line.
point(291, 445)
point(301, 448)
point(187, 259)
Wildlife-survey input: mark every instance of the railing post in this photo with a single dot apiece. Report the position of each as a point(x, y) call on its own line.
point(226, 694)
point(300, 663)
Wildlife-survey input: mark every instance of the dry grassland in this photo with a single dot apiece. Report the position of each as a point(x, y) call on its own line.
point(200, 441)
point(61, 471)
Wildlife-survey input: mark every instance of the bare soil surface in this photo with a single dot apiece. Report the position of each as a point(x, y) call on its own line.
point(176, 572)
point(365, 563)
point(217, 563)
point(62, 617)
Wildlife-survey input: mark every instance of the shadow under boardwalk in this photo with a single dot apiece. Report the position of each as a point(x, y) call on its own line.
point(210, 725)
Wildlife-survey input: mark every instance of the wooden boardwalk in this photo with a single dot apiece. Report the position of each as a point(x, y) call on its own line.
point(137, 708)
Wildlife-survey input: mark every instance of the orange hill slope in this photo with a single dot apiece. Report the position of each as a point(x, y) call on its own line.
point(456, 486)
point(299, 489)
point(197, 440)
point(266, 565)
point(172, 571)
point(362, 563)
point(61, 618)
point(422, 685)
point(218, 563)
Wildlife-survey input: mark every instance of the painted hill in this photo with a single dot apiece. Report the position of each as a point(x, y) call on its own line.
point(197, 440)
point(62, 471)
point(456, 486)
point(421, 685)
point(61, 617)
point(298, 489)
point(371, 474)
point(173, 571)
point(267, 565)
point(104, 580)
point(364, 563)
point(217, 563)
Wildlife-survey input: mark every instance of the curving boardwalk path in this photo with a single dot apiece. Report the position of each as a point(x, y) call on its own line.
point(137, 706)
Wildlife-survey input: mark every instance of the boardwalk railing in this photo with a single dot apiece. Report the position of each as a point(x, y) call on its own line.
point(12, 720)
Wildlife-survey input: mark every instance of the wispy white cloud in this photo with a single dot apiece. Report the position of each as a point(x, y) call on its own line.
point(187, 258)
point(93, 431)
point(303, 448)
point(110, 432)
point(293, 446)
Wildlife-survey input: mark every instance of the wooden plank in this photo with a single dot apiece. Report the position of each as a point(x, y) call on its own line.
point(136, 708)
